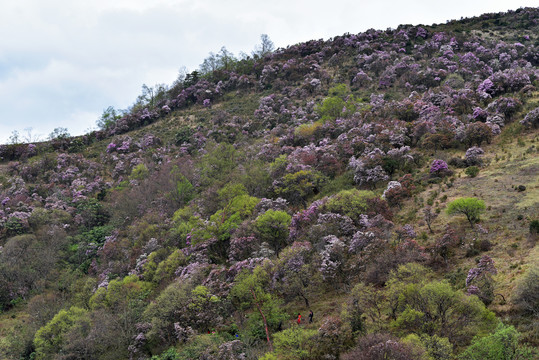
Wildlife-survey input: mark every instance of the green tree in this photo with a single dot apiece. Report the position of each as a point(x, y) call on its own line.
point(139, 172)
point(339, 104)
point(249, 291)
point(166, 268)
point(351, 203)
point(470, 207)
point(421, 306)
point(109, 117)
point(298, 186)
point(369, 301)
point(59, 133)
point(272, 227)
point(294, 343)
point(164, 311)
point(123, 302)
point(503, 344)
point(49, 340)
point(217, 164)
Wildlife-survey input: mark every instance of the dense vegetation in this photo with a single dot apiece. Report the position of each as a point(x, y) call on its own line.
point(386, 181)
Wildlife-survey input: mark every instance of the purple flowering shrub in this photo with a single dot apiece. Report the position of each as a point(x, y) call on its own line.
point(474, 156)
point(439, 168)
point(479, 280)
point(531, 119)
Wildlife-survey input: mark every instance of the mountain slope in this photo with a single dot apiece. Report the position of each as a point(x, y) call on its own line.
point(316, 177)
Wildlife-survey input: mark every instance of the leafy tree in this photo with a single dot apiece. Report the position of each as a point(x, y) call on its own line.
point(351, 203)
point(369, 301)
point(166, 268)
point(164, 311)
point(121, 294)
point(223, 60)
point(298, 186)
point(210, 63)
point(470, 207)
point(226, 59)
point(249, 291)
point(109, 118)
point(439, 348)
point(139, 172)
point(92, 213)
point(59, 133)
point(225, 221)
point(217, 163)
point(503, 344)
point(435, 308)
point(26, 261)
point(272, 227)
point(49, 340)
point(150, 96)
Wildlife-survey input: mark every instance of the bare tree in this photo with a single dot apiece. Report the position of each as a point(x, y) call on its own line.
point(429, 216)
point(265, 47)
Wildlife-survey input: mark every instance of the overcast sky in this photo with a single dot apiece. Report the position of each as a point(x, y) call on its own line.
point(62, 62)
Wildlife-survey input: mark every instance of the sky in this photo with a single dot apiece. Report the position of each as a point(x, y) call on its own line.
point(62, 62)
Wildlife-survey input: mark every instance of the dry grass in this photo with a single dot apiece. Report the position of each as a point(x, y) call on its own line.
point(508, 213)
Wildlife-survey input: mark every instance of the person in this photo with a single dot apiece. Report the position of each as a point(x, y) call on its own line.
point(310, 316)
point(299, 319)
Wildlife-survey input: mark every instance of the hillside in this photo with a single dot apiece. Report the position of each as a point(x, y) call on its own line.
point(387, 181)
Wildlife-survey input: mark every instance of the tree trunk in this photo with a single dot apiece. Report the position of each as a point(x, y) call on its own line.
point(263, 319)
point(306, 300)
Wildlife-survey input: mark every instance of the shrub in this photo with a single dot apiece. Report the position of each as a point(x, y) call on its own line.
point(293, 343)
point(531, 119)
point(501, 345)
point(534, 227)
point(526, 296)
point(139, 172)
point(477, 133)
point(439, 168)
point(457, 162)
point(473, 156)
point(472, 171)
point(382, 346)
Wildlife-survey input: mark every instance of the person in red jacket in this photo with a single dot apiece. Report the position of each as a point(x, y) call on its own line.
point(299, 319)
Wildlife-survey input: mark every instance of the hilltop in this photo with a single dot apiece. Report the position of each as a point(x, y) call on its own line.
point(386, 181)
